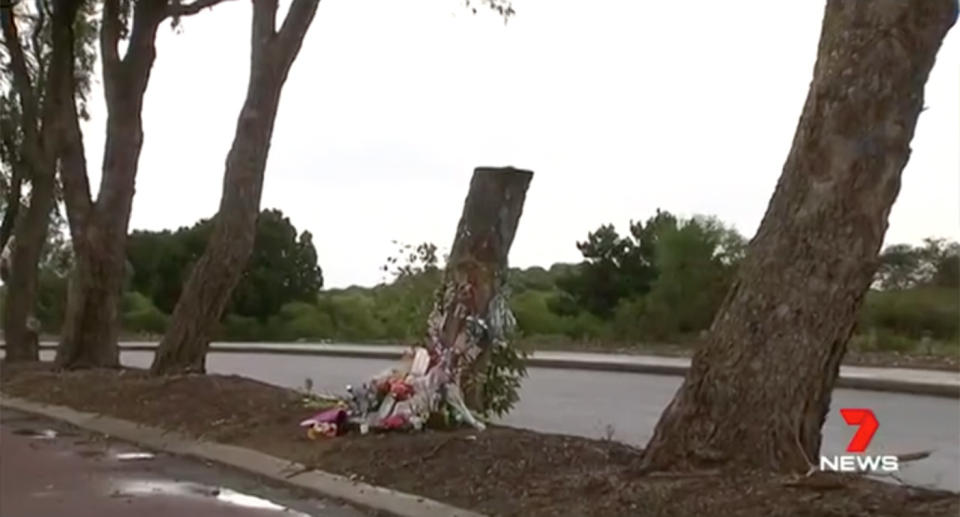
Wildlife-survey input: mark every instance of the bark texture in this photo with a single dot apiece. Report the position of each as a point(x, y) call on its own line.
point(471, 312)
point(217, 272)
point(37, 163)
point(759, 389)
point(99, 228)
point(23, 283)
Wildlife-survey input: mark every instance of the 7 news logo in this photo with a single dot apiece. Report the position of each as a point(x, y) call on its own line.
point(856, 460)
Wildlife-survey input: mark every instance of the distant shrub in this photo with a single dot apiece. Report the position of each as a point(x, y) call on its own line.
point(914, 313)
point(534, 317)
point(585, 326)
point(883, 341)
point(300, 320)
point(353, 316)
point(241, 328)
point(139, 314)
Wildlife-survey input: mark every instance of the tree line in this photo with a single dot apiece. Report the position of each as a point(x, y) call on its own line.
point(662, 282)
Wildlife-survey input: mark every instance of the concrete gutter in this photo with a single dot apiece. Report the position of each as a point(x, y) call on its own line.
point(324, 483)
point(898, 380)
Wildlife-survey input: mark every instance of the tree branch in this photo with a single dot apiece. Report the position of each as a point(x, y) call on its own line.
point(178, 9)
point(61, 121)
point(21, 78)
point(147, 15)
point(142, 50)
point(73, 168)
point(264, 21)
point(295, 26)
point(109, 41)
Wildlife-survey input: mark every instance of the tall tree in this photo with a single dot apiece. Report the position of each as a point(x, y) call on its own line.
point(41, 48)
point(947, 266)
point(903, 266)
point(899, 267)
point(99, 227)
point(695, 260)
point(282, 268)
point(758, 390)
point(615, 267)
point(216, 274)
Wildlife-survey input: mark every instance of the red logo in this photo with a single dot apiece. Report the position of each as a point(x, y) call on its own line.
point(867, 422)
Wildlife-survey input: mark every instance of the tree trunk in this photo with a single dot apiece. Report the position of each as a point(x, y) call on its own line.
point(91, 324)
point(30, 236)
point(471, 311)
point(217, 272)
point(99, 229)
point(41, 127)
point(759, 389)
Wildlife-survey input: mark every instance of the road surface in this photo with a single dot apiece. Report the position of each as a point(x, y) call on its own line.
point(626, 406)
point(50, 469)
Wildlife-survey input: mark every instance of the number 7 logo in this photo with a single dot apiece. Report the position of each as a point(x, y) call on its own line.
point(868, 427)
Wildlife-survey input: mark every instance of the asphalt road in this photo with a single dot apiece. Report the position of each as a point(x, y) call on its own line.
point(50, 469)
point(626, 406)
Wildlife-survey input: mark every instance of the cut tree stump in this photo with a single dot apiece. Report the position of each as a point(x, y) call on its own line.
point(471, 313)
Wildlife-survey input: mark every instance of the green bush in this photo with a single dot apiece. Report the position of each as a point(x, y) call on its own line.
point(505, 371)
point(913, 313)
point(586, 326)
point(882, 341)
point(132, 301)
point(51, 300)
point(151, 321)
point(401, 308)
point(534, 317)
point(139, 314)
point(562, 304)
point(241, 328)
point(300, 320)
point(628, 319)
point(353, 315)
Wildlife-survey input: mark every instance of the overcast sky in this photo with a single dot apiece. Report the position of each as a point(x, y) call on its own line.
point(619, 107)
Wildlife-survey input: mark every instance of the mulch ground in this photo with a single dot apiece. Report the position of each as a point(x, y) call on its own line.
point(501, 471)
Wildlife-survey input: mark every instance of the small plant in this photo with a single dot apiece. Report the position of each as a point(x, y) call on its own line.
point(501, 387)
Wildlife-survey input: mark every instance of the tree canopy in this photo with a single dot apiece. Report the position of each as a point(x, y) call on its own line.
point(283, 267)
point(616, 268)
point(935, 263)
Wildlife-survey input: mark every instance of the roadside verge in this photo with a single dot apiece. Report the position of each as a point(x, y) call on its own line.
point(500, 471)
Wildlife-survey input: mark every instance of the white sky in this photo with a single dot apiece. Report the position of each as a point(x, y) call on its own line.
point(618, 106)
